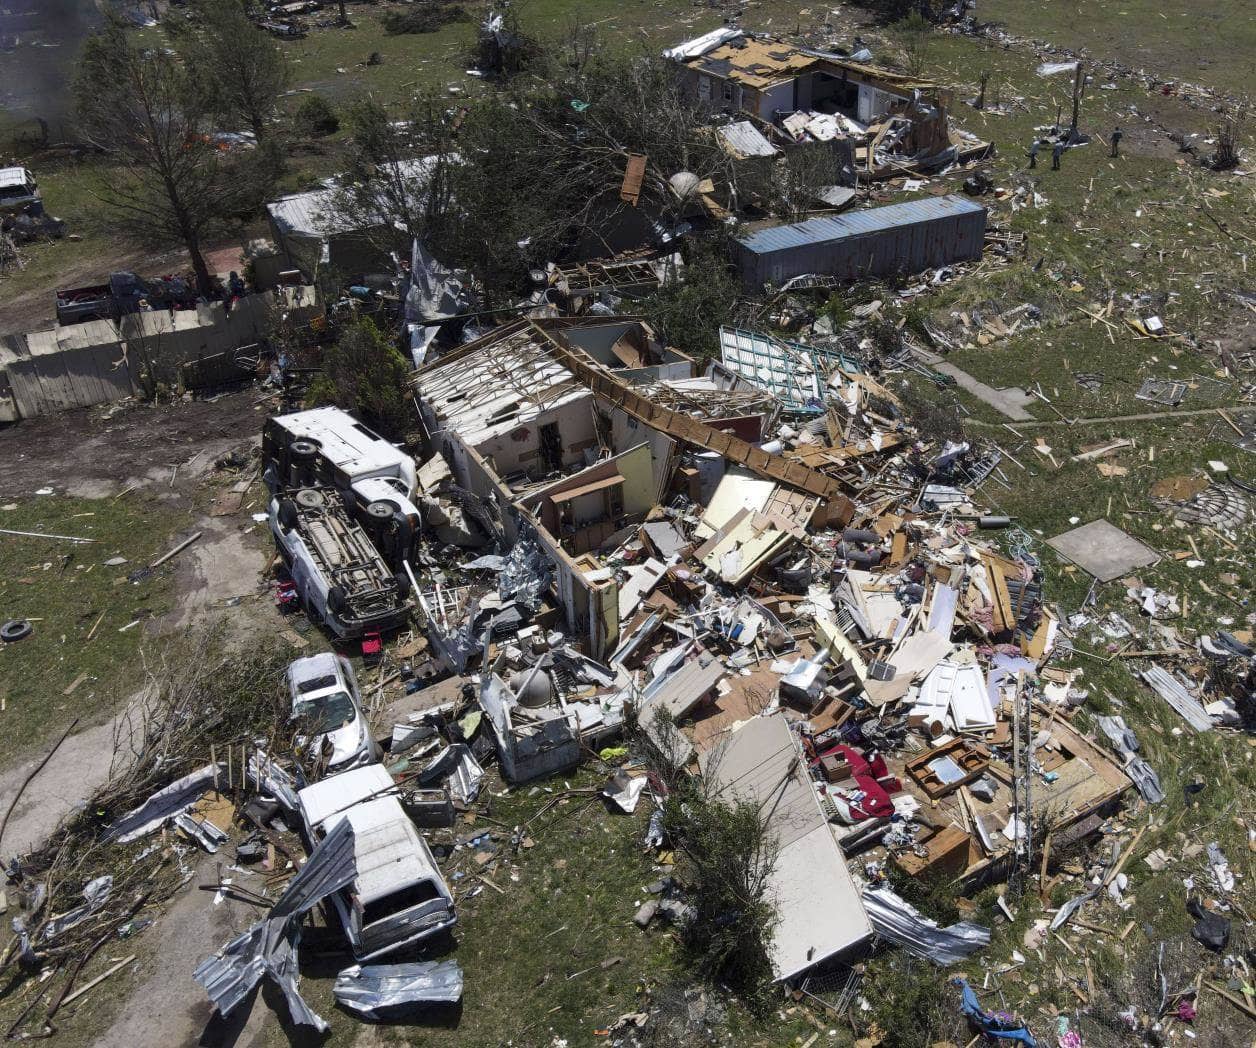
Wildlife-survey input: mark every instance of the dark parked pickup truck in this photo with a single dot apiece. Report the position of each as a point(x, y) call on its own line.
point(109, 301)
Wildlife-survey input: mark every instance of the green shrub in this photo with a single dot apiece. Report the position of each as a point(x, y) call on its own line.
point(315, 117)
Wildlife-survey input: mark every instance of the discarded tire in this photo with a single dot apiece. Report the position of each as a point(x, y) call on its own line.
point(14, 630)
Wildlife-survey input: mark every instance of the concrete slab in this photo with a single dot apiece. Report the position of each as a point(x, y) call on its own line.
point(1010, 402)
point(1103, 550)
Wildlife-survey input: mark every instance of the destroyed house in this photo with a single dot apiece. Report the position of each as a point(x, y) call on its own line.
point(313, 230)
point(766, 78)
point(543, 427)
point(880, 241)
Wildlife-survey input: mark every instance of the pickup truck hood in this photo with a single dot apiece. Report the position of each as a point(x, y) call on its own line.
point(347, 741)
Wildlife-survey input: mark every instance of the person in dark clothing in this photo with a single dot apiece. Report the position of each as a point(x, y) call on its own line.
point(1033, 153)
point(1057, 151)
point(1116, 141)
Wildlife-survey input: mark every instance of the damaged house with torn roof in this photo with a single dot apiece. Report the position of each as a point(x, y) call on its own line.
point(888, 121)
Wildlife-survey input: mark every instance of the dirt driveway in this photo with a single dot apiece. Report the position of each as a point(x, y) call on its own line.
point(168, 451)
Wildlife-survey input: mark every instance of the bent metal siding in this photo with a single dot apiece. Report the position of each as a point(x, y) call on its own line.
point(898, 238)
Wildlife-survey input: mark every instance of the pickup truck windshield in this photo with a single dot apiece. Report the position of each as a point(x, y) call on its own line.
point(325, 713)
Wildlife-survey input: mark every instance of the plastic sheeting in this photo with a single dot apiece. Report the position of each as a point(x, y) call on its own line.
point(95, 892)
point(371, 989)
point(270, 946)
point(896, 920)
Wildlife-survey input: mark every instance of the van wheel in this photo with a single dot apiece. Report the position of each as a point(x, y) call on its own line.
point(287, 514)
point(337, 599)
point(310, 498)
point(380, 510)
point(403, 584)
point(15, 630)
point(303, 450)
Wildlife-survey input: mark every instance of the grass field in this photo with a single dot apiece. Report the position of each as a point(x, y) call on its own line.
point(1208, 44)
point(78, 606)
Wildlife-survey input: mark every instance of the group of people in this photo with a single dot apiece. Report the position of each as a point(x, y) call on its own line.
point(179, 291)
point(1057, 149)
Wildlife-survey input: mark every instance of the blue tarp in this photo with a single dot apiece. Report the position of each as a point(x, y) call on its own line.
point(999, 1027)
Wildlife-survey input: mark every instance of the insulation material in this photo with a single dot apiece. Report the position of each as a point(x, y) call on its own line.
point(375, 990)
point(896, 920)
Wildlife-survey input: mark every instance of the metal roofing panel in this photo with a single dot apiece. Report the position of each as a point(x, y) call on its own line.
point(818, 907)
point(857, 223)
point(743, 139)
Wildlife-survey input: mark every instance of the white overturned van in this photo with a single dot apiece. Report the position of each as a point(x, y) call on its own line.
point(399, 896)
point(329, 449)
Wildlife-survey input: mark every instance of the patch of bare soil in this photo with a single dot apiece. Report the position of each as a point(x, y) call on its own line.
point(100, 451)
point(35, 309)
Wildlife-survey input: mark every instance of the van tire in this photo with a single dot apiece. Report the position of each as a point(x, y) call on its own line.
point(288, 514)
point(337, 599)
point(381, 510)
point(15, 630)
point(310, 498)
point(303, 450)
point(403, 584)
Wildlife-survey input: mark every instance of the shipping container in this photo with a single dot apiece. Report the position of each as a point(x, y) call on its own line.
point(897, 238)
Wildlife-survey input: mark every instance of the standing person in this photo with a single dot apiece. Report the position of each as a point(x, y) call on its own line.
point(1033, 153)
point(1116, 141)
point(1057, 151)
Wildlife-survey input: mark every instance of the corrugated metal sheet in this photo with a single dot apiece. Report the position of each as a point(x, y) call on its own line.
point(899, 238)
point(368, 989)
point(743, 139)
point(858, 223)
point(269, 947)
point(1171, 690)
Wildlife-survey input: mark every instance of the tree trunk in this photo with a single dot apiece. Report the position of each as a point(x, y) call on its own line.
point(344, 15)
point(204, 281)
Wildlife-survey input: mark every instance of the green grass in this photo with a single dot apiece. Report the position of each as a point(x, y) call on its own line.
point(1169, 41)
point(565, 906)
point(66, 589)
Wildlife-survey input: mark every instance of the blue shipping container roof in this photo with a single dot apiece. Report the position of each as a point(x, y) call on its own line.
point(856, 223)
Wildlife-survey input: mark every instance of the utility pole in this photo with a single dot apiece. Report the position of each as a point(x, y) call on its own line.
point(1079, 82)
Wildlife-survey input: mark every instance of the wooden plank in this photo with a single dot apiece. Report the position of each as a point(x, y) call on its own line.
point(634, 175)
point(1004, 618)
